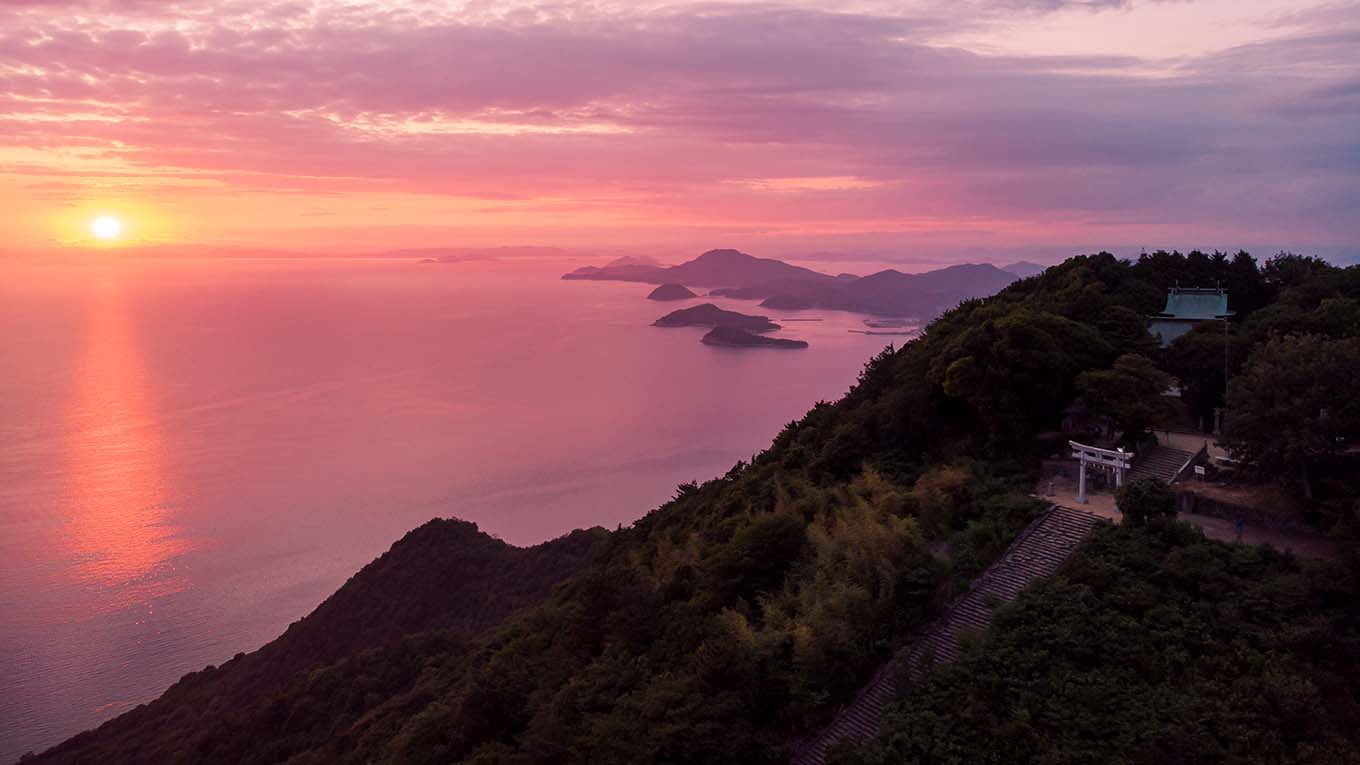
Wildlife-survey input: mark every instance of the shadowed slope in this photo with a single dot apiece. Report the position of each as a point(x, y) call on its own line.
point(445, 575)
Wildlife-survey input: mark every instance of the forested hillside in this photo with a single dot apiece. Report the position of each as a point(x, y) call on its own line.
point(737, 615)
point(445, 579)
point(1151, 646)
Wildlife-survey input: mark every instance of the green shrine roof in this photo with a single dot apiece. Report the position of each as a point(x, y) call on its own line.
point(1195, 303)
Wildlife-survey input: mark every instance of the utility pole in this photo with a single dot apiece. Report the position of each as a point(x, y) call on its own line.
point(1227, 365)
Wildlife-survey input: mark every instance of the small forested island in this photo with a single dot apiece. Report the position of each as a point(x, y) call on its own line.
point(671, 292)
point(732, 337)
point(930, 569)
point(709, 315)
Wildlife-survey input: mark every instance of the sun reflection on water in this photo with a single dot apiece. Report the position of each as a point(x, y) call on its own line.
point(118, 537)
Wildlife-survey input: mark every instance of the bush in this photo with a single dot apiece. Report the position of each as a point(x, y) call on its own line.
point(1146, 502)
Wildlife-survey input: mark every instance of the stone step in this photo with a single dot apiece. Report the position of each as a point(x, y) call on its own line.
point(1161, 462)
point(1038, 551)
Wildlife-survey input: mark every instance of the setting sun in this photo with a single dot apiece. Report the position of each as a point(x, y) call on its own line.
point(106, 227)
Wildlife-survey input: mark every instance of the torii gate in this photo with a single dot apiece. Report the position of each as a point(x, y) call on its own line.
point(1118, 459)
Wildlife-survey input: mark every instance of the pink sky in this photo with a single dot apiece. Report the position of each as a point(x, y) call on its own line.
point(903, 130)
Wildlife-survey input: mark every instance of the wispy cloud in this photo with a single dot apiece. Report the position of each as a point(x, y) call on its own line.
point(761, 115)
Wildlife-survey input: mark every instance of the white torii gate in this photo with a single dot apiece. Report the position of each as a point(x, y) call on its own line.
point(1116, 459)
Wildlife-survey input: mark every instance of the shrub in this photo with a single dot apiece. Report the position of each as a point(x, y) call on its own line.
point(1146, 502)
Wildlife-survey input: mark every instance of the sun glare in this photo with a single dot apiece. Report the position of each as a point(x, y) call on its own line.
point(106, 227)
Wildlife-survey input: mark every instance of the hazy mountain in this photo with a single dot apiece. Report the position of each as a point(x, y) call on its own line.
point(644, 273)
point(893, 293)
point(787, 287)
point(715, 268)
point(730, 268)
point(634, 260)
point(927, 294)
point(1024, 268)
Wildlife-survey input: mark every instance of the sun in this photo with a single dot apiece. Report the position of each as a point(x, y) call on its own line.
point(106, 227)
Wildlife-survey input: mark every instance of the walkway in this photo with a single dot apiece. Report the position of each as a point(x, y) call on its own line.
point(1037, 552)
point(1063, 492)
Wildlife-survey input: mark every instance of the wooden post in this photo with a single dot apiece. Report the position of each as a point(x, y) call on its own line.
point(1081, 483)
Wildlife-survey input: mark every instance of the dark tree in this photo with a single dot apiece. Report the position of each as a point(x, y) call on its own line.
point(1131, 394)
point(1146, 502)
point(1290, 270)
point(1247, 290)
point(1294, 403)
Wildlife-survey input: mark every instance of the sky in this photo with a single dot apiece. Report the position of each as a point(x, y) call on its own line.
point(928, 129)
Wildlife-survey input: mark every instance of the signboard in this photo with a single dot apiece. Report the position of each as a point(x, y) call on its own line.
point(1199, 470)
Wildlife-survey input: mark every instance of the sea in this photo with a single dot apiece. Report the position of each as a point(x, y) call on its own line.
point(195, 452)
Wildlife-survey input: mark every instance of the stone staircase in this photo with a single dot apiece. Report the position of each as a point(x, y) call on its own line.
point(1038, 552)
point(1160, 462)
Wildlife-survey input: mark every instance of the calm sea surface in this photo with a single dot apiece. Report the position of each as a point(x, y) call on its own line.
point(194, 454)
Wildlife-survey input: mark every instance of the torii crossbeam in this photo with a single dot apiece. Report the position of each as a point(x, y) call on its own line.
point(1117, 459)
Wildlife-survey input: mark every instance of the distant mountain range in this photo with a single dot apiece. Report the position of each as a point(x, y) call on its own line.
point(715, 268)
point(783, 286)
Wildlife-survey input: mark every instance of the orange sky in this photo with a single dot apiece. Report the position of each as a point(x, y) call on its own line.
point(1005, 126)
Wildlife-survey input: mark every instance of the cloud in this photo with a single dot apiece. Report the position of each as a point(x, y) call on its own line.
point(675, 111)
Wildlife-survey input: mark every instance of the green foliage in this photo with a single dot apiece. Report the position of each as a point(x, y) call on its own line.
point(1150, 646)
point(1131, 393)
point(1146, 502)
point(1199, 359)
point(1015, 372)
point(1294, 403)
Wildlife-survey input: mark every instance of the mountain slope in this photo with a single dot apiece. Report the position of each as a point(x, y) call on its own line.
point(445, 575)
point(1150, 646)
point(924, 295)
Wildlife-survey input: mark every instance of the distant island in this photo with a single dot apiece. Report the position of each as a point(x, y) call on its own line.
point(671, 292)
point(783, 286)
point(709, 315)
point(731, 337)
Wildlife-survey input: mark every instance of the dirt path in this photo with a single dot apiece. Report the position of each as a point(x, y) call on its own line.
point(1064, 494)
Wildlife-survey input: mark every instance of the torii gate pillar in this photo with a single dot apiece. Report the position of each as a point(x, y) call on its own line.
point(1081, 484)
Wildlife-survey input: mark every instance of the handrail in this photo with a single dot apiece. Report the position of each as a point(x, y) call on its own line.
point(1203, 451)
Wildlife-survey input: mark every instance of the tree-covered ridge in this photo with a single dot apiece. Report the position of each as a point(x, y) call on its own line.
point(737, 615)
point(1152, 645)
point(445, 579)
